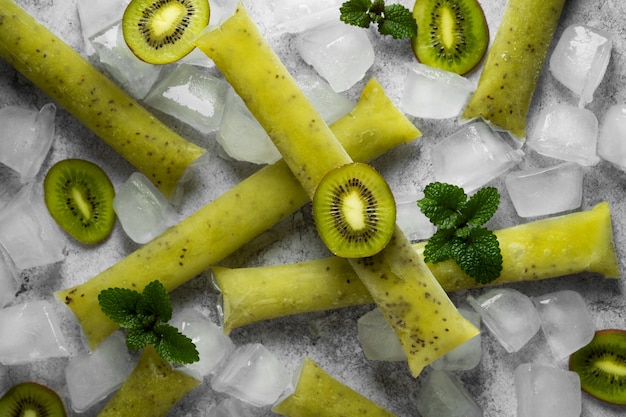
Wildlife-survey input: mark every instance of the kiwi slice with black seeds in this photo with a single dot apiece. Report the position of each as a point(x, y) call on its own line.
point(451, 34)
point(163, 31)
point(354, 211)
point(30, 399)
point(601, 365)
point(79, 196)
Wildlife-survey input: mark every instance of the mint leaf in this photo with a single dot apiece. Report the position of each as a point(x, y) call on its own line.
point(356, 13)
point(120, 305)
point(482, 206)
point(175, 346)
point(155, 301)
point(442, 204)
point(398, 22)
point(439, 246)
point(479, 256)
point(137, 339)
point(395, 20)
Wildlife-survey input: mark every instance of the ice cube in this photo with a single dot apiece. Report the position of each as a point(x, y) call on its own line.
point(544, 191)
point(580, 59)
point(340, 53)
point(410, 218)
point(192, 95)
point(330, 104)
point(25, 138)
point(8, 277)
point(378, 339)
point(433, 93)
point(546, 391)
point(252, 374)
point(473, 156)
point(566, 321)
point(612, 137)
point(134, 75)
point(443, 394)
point(211, 342)
point(90, 377)
point(509, 315)
point(143, 211)
point(221, 10)
point(30, 332)
point(466, 356)
point(297, 16)
point(28, 232)
point(566, 132)
point(241, 136)
point(233, 407)
point(95, 15)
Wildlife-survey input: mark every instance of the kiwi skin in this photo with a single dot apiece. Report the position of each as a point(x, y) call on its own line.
point(376, 220)
point(452, 35)
point(163, 31)
point(32, 399)
point(79, 196)
point(601, 365)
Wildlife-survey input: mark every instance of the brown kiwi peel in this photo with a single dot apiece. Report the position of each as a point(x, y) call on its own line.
point(33, 400)
point(601, 365)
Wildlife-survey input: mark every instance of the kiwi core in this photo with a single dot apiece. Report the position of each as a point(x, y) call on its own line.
point(354, 211)
point(170, 20)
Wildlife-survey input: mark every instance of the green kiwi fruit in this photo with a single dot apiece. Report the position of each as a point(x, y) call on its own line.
point(601, 365)
point(79, 196)
point(354, 211)
point(30, 399)
point(163, 31)
point(451, 34)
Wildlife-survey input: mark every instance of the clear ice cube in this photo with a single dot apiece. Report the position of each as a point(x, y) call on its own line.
point(96, 15)
point(30, 332)
point(192, 95)
point(580, 59)
point(443, 394)
point(546, 391)
point(544, 191)
point(91, 376)
point(252, 374)
point(330, 104)
point(566, 322)
point(473, 156)
point(340, 53)
point(410, 218)
point(8, 277)
point(510, 316)
point(25, 138)
point(134, 75)
point(297, 16)
point(466, 356)
point(212, 344)
point(612, 137)
point(378, 339)
point(433, 93)
point(566, 132)
point(28, 232)
point(143, 211)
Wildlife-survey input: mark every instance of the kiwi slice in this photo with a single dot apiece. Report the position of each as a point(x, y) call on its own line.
point(163, 31)
point(451, 34)
point(30, 399)
point(354, 211)
point(79, 196)
point(601, 365)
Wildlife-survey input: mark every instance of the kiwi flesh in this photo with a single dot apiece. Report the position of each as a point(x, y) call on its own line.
point(79, 196)
point(601, 365)
point(163, 31)
point(354, 211)
point(451, 34)
point(33, 400)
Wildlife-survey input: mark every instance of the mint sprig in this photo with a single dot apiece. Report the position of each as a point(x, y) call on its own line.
point(145, 316)
point(460, 233)
point(395, 19)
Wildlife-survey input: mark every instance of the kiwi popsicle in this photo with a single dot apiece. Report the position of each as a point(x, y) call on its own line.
point(425, 320)
point(513, 65)
point(64, 75)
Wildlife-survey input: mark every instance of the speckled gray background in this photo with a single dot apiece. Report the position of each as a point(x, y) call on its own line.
point(330, 337)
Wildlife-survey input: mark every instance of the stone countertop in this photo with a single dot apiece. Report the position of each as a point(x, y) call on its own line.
point(330, 338)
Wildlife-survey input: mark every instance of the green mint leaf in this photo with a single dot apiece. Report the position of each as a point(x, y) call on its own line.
point(479, 256)
point(174, 346)
point(482, 206)
point(120, 305)
point(442, 204)
point(439, 246)
point(356, 13)
point(155, 303)
point(398, 22)
point(137, 339)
